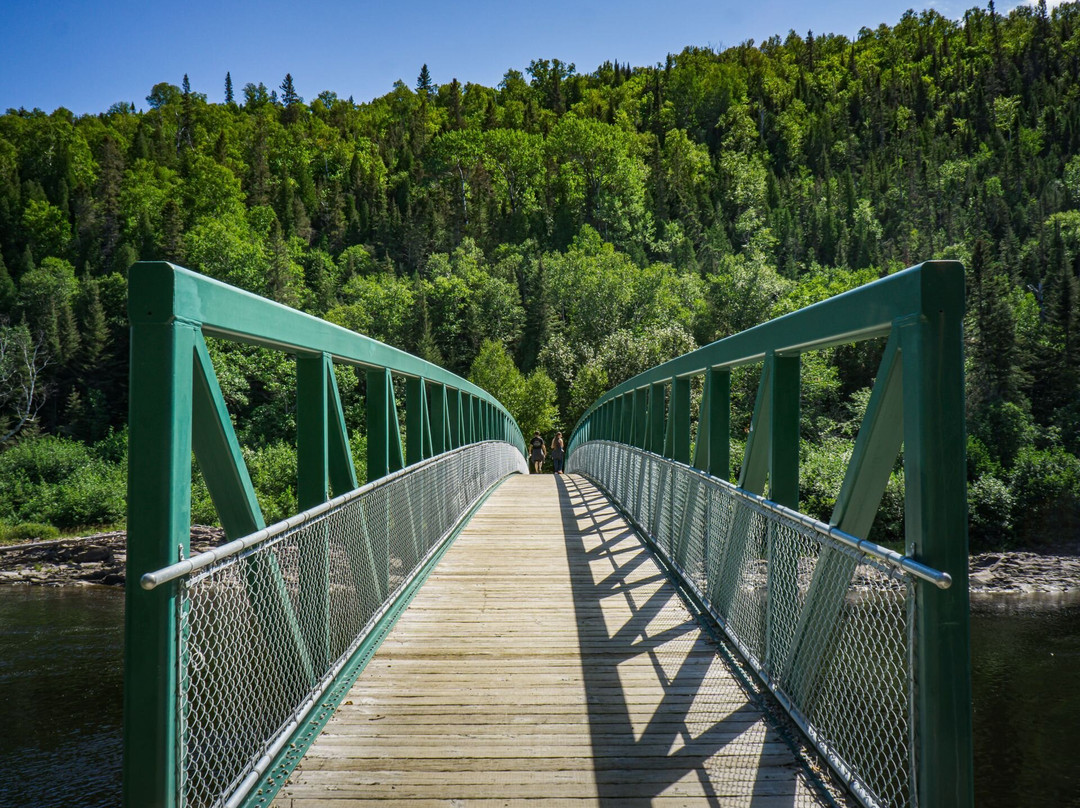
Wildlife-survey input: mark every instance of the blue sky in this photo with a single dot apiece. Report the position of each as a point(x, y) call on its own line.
point(87, 55)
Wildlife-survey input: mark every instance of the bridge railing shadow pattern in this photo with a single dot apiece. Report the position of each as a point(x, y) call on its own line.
point(705, 734)
point(826, 628)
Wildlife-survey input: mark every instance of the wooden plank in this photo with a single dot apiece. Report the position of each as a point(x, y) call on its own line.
point(547, 660)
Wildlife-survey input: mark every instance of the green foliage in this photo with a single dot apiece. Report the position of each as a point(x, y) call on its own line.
point(990, 510)
point(1045, 485)
point(589, 224)
point(60, 482)
point(530, 399)
point(273, 473)
point(26, 532)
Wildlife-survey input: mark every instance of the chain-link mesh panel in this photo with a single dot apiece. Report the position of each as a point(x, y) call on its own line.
point(828, 628)
point(263, 633)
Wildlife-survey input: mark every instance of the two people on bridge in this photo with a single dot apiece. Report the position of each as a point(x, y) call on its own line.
point(538, 452)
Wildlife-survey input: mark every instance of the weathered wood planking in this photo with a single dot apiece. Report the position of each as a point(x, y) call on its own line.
point(547, 661)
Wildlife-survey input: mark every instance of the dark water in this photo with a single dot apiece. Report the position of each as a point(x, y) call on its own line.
point(1026, 690)
point(61, 683)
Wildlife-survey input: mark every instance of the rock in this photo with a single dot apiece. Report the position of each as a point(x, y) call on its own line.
point(93, 553)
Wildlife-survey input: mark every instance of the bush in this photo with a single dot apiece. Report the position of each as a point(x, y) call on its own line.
point(990, 507)
point(1045, 486)
point(273, 473)
point(61, 482)
point(821, 474)
point(1004, 429)
point(27, 531)
point(45, 459)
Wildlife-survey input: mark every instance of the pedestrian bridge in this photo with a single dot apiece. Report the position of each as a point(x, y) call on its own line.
point(639, 631)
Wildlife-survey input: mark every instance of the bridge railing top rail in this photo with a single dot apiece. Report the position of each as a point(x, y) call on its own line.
point(166, 293)
point(863, 313)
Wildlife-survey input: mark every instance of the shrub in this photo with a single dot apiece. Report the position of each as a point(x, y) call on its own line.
point(990, 506)
point(821, 474)
point(27, 531)
point(1046, 489)
point(61, 482)
point(273, 473)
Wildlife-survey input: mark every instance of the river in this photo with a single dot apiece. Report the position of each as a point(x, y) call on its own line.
point(61, 684)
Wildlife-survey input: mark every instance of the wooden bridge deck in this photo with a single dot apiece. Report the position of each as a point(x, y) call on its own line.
point(547, 660)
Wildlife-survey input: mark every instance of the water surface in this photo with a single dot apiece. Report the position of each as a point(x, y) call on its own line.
point(61, 685)
point(1026, 691)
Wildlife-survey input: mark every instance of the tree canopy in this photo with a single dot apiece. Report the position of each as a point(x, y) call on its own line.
point(589, 224)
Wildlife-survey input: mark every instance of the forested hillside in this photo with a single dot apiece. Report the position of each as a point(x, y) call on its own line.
point(584, 225)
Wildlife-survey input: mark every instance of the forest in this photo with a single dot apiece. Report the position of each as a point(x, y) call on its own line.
point(554, 235)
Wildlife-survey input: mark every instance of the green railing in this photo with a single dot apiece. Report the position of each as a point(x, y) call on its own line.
point(867, 649)
point(228, 653)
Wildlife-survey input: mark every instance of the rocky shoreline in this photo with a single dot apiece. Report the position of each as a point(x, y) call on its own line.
point(99, 560)
point(96, 560)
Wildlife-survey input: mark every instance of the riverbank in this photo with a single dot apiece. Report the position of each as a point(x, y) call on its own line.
point(99, 560)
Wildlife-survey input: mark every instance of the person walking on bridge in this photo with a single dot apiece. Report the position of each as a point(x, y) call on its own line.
point(558, 452)
point(537, 453)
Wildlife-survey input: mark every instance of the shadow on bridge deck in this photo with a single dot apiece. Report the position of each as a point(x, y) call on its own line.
point(665, 710)
point(549, 661)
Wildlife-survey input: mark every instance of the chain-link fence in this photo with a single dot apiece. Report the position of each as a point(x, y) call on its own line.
point(826, 620)
point(266, 623)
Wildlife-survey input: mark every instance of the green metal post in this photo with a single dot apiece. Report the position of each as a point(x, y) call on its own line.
point(416, 433)
point(342, 470)
point(783, 569)
point(935, 511)
point(784, 431)
point(627, 429)
point(440, 419)
point(712, 453)
point(679, 428)
point(384, 437)
point(453, 412)
point(312, 488)
point(159, 519)
point(657, 416)
point(641, 411)
point(312, 438)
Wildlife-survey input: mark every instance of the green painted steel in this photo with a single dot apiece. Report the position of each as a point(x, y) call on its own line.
point(159, 475)
point(713, 448)
point(176, 408)
point(918, 402)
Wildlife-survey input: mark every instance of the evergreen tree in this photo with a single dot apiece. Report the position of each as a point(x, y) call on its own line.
point(228, 88)
point(288, 92)
point(7, 288)
point(423, 82)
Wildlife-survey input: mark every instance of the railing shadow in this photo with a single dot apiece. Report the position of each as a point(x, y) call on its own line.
point(704, 737)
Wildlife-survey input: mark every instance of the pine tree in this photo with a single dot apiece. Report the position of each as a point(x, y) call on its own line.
point(7, 288)
point(288, 92)
point(228, 88)
point(423, 82)
point(95, 331)
point(454, 104)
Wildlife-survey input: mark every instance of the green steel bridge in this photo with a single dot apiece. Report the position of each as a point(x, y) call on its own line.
point(640, 631)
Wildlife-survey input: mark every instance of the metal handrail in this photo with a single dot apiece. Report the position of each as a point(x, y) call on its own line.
point(942, 580)
point(152, 580)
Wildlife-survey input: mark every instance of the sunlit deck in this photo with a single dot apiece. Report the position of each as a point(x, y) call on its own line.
point(549, 660)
